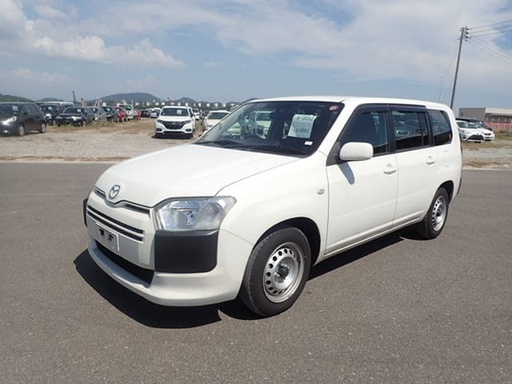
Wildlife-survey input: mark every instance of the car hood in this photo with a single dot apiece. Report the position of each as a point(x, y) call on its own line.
point(188, 170)
point(70, 114)
point(174, 118)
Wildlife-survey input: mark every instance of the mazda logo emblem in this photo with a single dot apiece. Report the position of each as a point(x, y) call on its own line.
point(114, 191)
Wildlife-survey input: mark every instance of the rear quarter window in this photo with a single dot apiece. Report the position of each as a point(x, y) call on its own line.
point(441, 128)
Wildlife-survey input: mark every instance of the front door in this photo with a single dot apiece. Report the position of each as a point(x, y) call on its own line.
point(362, 194)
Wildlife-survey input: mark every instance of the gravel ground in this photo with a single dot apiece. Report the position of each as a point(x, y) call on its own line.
point(119, 141)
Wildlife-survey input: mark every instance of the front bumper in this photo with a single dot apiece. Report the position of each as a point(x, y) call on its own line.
point(184, 270)
point(71, 121)
point(174, 128)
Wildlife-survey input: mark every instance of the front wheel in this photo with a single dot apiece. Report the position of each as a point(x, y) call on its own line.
point(276, 272)
point(435, 219)
point(42, 128)
point(21, 130)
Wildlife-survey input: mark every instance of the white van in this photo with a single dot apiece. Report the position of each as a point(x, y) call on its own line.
point(242, 214)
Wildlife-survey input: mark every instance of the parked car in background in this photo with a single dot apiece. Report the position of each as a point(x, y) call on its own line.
point(77, 116)
point(478, 122)
point(145, 113)
point(177, 121)
point(17, 118)
point(110, 112)
point(472, 132)
point(100, 116)
point(213, 117)
point(154, 112)
point(131, 113)
point(51, 111)
point(121, 114)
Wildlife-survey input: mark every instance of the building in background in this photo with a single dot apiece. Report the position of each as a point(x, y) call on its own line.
point(499, 119)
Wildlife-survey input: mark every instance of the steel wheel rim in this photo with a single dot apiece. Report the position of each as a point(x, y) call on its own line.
point(438, 214)
point(283, 272)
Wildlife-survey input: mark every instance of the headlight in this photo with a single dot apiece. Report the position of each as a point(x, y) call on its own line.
point(10, 120)
point(194, 213)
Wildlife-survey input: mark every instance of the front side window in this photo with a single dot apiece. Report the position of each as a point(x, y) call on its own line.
point(368, 126)
point(281, 127)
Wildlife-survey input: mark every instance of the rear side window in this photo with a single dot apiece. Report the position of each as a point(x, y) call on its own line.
point(441, 128)
point(410, 129)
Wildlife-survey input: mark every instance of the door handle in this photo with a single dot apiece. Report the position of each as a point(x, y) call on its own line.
point(430, 160)
point(389, 169)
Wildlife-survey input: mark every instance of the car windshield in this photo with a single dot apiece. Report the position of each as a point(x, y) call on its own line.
point(293, 128)
point(8, 110)
point(217, 115)
point(73, 110)
point(174, 112)
point(48, 108)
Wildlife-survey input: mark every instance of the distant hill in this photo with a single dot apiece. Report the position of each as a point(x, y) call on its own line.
point(12, 98)
point(137, 97)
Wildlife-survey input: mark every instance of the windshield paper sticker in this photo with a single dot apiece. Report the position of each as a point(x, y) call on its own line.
point(301, 126)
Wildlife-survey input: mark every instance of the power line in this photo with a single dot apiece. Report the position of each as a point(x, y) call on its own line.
point(491, 50)
point(493, 25)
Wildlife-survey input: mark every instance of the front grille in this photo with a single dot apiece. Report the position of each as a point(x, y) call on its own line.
point(143, 274)
point(173, 124)
point(124, 204)
point(125, 229)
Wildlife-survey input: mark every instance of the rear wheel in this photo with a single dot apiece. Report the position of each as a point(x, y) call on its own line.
point(435, 219)
point(42, 128)
point(276, 272)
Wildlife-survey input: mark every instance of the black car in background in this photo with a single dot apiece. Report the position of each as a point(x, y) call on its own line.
point(77, 116)
point(51, 111)
point(16, 118)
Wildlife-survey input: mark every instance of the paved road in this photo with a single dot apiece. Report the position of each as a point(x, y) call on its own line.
point(398, 310)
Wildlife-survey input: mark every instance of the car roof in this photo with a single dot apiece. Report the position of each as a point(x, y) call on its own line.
point(356, 100)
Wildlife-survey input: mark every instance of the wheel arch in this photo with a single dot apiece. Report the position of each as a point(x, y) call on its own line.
point(449, 187)
point(307, 226)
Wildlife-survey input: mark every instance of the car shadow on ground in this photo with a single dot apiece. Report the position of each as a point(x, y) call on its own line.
point(148, 313)
point(158, 316)
point(354, 254)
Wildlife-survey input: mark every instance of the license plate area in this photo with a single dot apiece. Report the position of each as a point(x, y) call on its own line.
point(108, 238)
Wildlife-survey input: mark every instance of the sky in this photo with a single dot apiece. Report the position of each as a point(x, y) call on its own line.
point(233, 50)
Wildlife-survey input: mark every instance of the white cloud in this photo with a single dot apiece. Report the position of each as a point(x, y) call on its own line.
point(52, 37)
point(31, 76)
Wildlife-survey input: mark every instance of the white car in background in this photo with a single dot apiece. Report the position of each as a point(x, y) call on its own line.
point(154, 112)
point(213, 118)
point(472, 132)
point(176, 121)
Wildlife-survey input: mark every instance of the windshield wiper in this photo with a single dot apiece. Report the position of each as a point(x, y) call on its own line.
point(275, 148)
point(221, 143)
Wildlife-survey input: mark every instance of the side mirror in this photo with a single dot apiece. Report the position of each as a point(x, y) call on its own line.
point(356, 151)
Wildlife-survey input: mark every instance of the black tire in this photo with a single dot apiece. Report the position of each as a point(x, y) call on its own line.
point(21, 130)
point(435, 219)
point(276, 272)
point(42, 128)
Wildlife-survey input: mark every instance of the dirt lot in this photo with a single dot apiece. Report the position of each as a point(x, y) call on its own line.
point(117, 141)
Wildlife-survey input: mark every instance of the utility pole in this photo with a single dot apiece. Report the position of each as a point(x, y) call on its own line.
point(464, 32)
